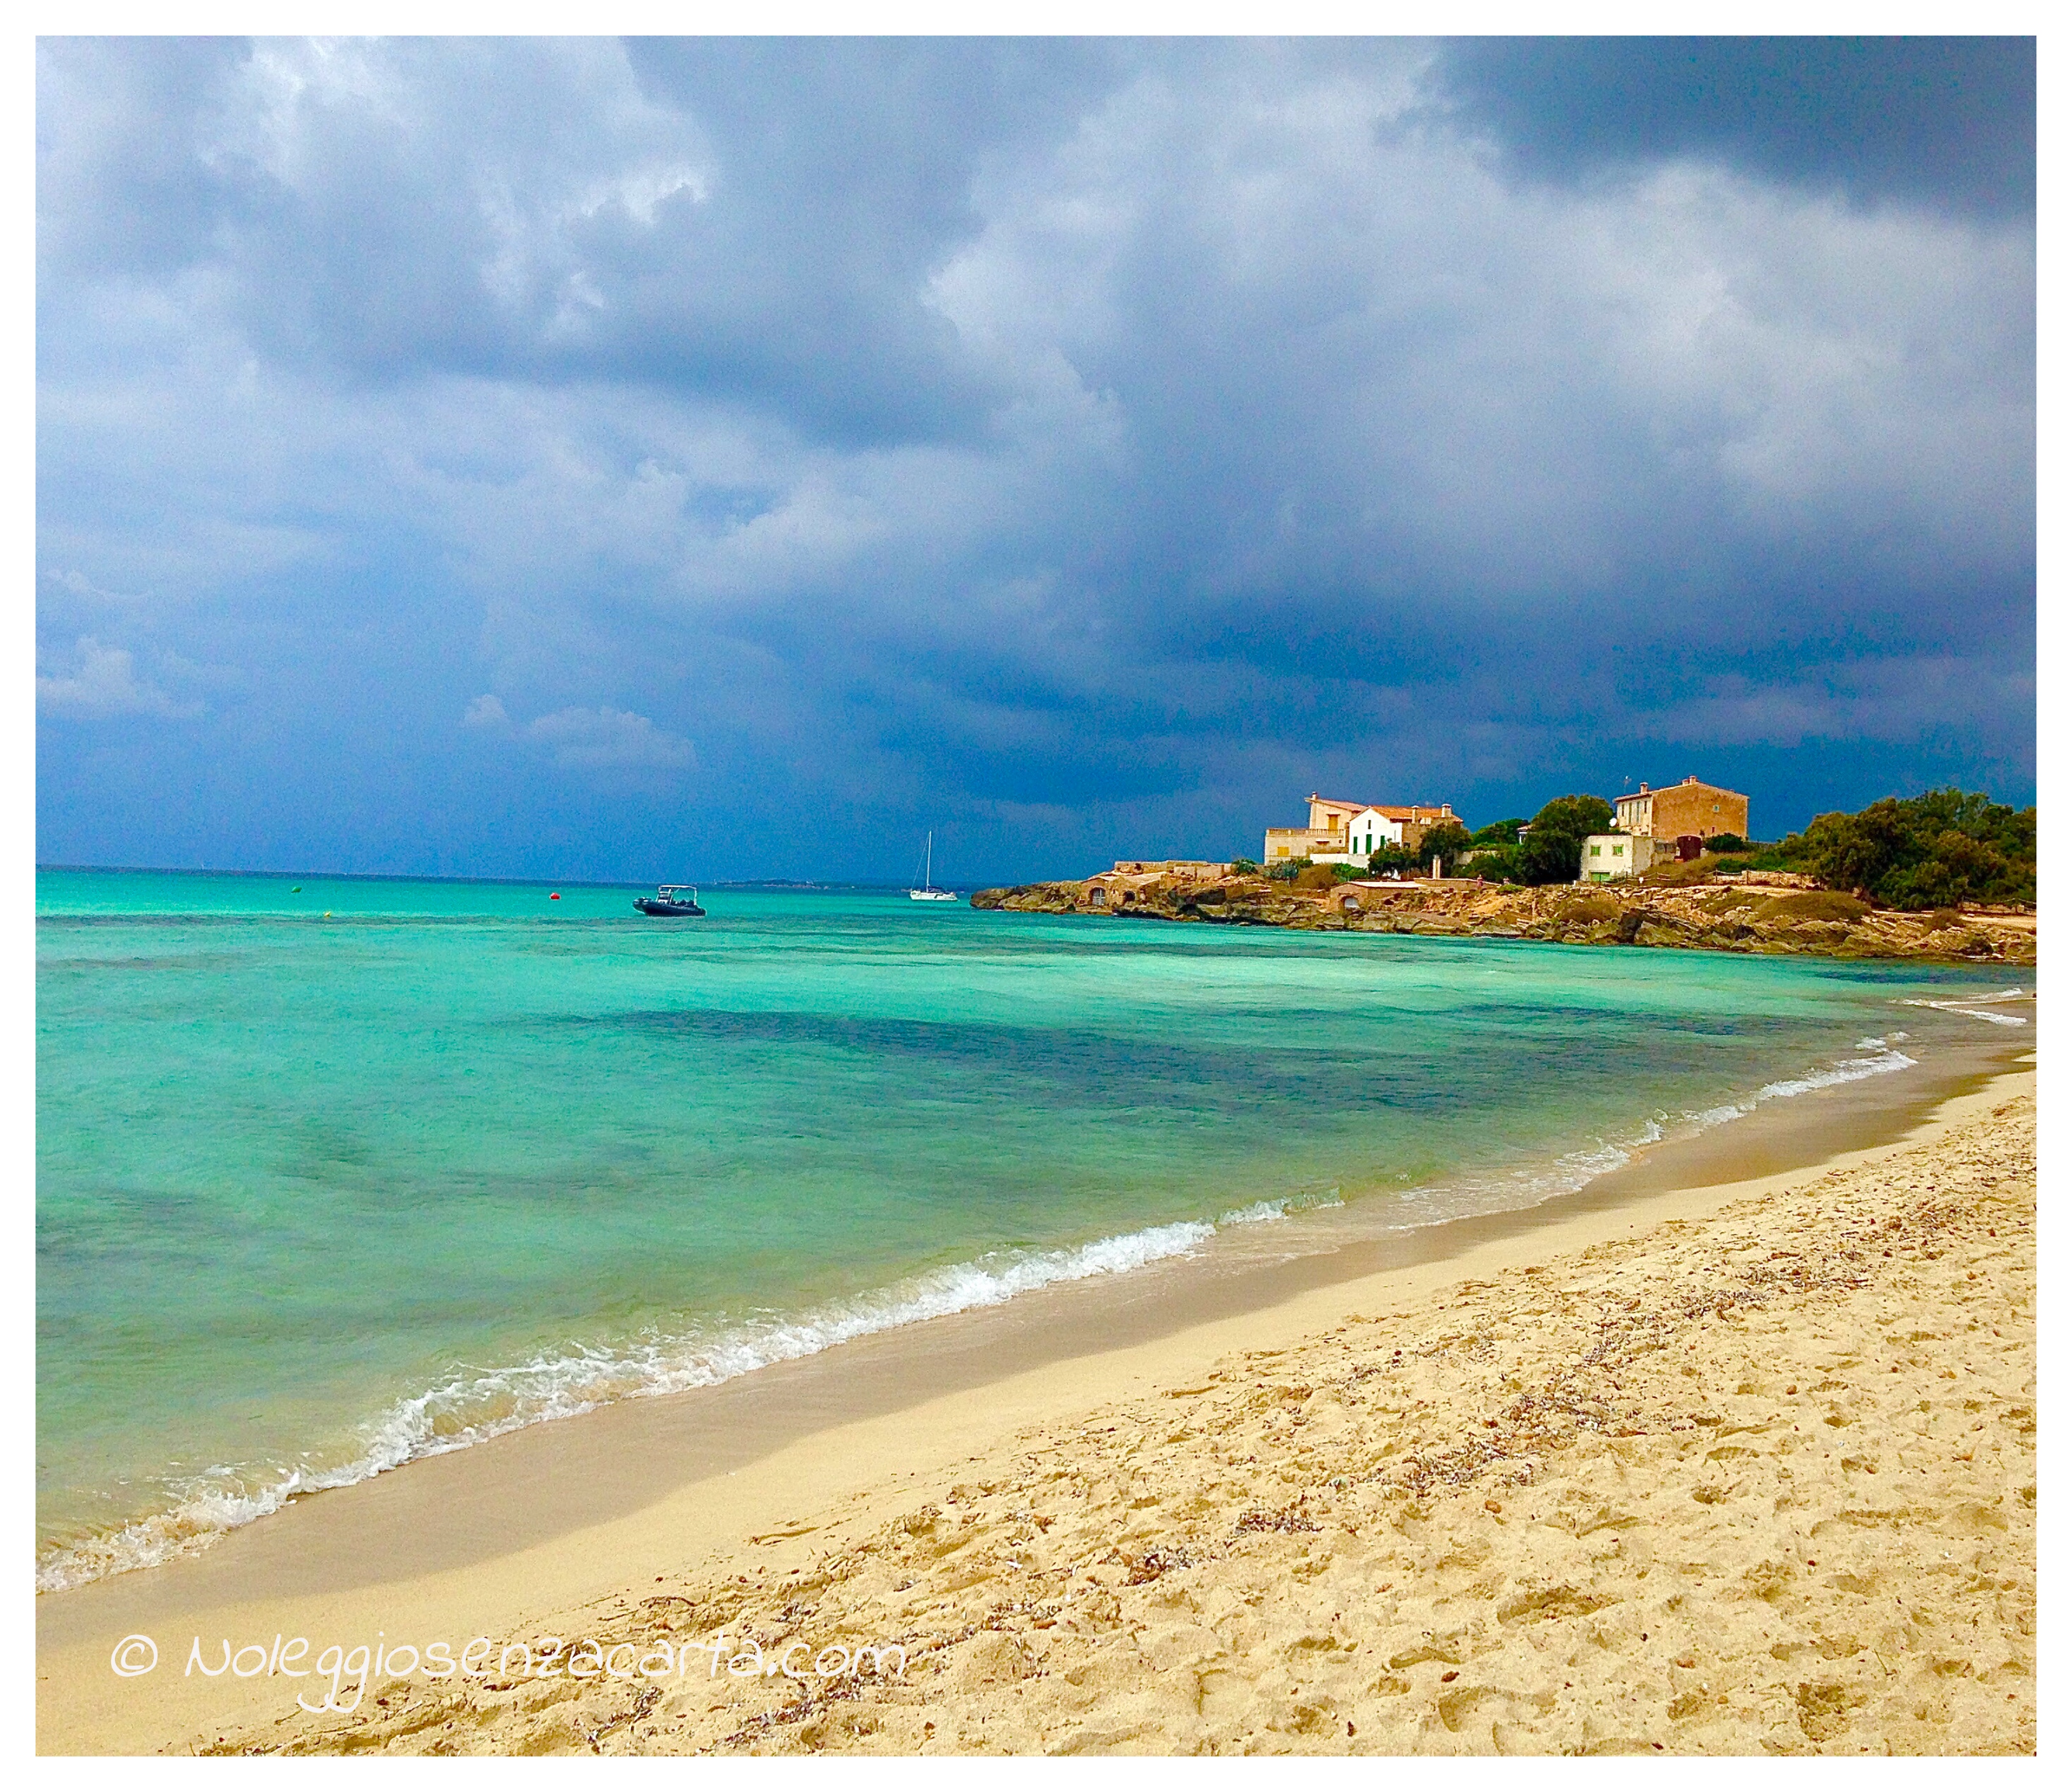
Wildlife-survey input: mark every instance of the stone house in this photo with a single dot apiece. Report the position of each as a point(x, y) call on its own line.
point(1690, 807)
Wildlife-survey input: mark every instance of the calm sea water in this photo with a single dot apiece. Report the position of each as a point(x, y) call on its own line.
point(330, 1178)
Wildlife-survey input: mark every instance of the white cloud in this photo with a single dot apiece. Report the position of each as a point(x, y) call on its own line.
point(588, 739)
point(104, 685)
point(78, 585)
point(608, 737)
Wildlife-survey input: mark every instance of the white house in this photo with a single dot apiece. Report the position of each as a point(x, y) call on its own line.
point(1345, 833)
point(1371, 829)
point(1609, 856)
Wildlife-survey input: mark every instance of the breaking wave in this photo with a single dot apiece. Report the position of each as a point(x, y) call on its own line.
point(1957, 1006)
point(471, 1405)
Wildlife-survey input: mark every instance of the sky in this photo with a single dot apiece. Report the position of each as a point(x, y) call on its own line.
point(733, 458)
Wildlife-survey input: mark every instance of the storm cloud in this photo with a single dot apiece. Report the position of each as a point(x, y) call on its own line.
point(729, 458)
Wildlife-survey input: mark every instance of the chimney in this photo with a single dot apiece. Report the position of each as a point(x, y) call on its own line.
point(1643, 789)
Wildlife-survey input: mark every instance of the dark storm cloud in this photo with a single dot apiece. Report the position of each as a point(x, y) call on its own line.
point(1947, 121)
point(483, 455)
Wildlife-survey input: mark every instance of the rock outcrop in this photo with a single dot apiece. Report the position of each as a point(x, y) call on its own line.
point(1716, 916)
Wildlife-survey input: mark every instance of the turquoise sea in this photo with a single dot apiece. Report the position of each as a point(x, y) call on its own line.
point(332, 1177)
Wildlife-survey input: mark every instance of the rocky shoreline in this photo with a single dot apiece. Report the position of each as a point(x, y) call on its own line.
point(1715, 915)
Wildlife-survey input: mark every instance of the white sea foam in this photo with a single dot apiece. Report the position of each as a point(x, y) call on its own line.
point(1703, 1118)
point(1261, 1212)
point(1956, 1006)
point(472, 1405)
point(1845, 1069)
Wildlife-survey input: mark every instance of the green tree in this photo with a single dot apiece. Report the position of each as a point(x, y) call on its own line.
point(1383, 860)
point(1445, 843)
point(1853, 852)
point(1552, 853)
point(1498, 863)
point(1500, 833)
point(1931, 851)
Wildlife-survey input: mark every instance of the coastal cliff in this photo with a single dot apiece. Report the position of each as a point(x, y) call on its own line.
point(1714, 916)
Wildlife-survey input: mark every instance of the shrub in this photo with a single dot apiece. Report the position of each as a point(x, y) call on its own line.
point(1726, 843)
point(1244, 868)
point(1498, 863)
point(1385, 859)
point(1287, 870)
point(1816, 905)
point(1760, 858)
point(1591, 908)
point(1926, 852)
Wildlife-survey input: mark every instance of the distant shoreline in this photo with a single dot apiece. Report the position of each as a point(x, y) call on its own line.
point(1752, 918)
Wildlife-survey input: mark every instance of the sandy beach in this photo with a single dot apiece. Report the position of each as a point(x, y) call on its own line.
point(1735, 1466)
point(1031, 892)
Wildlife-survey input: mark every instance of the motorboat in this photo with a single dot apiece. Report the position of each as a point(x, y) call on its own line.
point(670, 899)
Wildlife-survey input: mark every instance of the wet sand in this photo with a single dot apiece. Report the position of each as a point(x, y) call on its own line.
point(494, 1535)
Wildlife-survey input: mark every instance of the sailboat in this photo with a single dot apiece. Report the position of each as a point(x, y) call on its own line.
point(928, 893)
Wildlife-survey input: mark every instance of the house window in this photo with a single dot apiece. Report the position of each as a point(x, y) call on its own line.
point(1597, 851)
point(1618, 851)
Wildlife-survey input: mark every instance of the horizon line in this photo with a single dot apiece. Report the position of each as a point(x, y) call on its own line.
point(455, 877)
